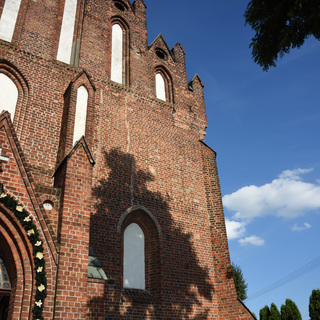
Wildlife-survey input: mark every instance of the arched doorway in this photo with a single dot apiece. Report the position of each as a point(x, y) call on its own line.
point(5, 290)
point(15, 267)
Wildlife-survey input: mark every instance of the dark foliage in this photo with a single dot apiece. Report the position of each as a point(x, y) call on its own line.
point(264, 313)
point(280, 25)
point(290, 311)
point(314, 305)
point(274, 313)
point(240, 282)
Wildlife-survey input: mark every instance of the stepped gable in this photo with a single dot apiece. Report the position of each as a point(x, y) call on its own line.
point(160, 43)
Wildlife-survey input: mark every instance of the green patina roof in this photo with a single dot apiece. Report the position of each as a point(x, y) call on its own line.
point(94, 268)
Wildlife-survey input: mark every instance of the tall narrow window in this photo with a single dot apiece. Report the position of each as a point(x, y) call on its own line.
point(8, 19)
point(67, 30)
point(81, 114)
point(8, 94)
point(160, 87)
point(117, 54)
point(133, 257)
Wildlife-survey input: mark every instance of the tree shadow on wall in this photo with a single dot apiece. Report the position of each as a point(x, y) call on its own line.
point(177, 287)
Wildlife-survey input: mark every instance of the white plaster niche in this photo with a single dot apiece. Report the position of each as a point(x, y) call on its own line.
point(116, 53)
point(8, 19)
point(67, 30)
point(160, 87)
point(81, 114)
point(133, 257)
point(8, 95)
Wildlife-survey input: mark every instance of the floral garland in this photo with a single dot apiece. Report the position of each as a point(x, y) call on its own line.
point(33, 235)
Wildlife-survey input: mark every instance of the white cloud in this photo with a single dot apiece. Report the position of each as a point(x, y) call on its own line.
point(254, 240)
point(287, 196)
point(294, 174)
point(304, 227)
point(235, 229)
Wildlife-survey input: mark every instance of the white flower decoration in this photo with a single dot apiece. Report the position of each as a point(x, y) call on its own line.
point(30, 232)
point(19, 208)
point(38, 303)
point(3, 195)
point(41, 287)
point(39, 269)
point(27, 219)
point(39, 255)
point(38, 243)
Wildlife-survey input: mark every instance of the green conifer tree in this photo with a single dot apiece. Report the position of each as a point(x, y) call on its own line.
point(290, 311)
point(274, 313)
point(314, 305)
point(239, 281)
point(264, 313)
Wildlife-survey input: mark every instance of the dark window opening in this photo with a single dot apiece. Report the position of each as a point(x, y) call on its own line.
point(161, 54)
point(120, 6)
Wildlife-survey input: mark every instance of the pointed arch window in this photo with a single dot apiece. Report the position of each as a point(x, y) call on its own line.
point(81, 113)
point(8, 19)
point(134, 257)
point(160, 87)
point(78, 117)
point(67, 31)
point(163, 85)
point(8, 94)
point(117, 47)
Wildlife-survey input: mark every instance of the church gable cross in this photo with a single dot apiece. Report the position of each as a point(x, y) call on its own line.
point(2, 158)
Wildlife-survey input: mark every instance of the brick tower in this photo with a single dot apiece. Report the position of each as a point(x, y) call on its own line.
point(110, 203)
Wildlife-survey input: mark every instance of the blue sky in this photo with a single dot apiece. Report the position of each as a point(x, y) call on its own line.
point(265, 128)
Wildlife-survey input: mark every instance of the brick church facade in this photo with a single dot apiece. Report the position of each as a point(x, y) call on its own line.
point(110, 203)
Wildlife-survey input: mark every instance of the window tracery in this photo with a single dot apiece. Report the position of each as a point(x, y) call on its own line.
point(4, 277)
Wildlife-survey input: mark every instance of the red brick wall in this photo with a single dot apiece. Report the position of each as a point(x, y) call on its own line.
point(74, 178)
point(18, 182)
point(228, 305)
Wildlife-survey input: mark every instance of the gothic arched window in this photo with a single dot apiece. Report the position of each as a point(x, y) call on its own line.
point(133, 257)
point(8, 19)
point(163, 84)
point(160, 87)
point(81, 113)
point(67, 31)
point(140, 255)
point(8, 94)
point(117, 54)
